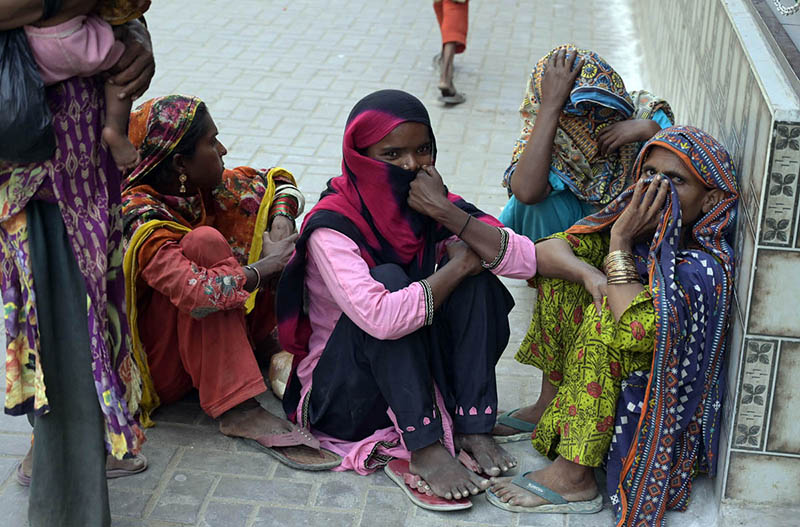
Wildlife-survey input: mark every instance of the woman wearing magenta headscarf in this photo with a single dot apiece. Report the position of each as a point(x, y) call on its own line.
point(394, 358)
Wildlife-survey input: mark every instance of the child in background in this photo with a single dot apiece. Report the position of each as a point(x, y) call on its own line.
point(85, 46)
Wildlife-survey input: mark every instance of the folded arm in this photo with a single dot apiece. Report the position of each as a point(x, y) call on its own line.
point(384, 314)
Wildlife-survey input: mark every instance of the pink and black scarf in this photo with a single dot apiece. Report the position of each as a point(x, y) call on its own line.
point(368, 204)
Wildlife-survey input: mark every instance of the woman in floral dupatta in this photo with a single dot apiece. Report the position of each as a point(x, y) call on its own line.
point(203, 245)
point(647, 332)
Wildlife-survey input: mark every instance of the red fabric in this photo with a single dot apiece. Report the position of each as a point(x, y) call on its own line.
point(213, 354)
point(453, 21)
point(196, 282)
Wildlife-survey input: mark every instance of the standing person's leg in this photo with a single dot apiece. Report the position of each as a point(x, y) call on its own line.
point(472, 332)
point(358, 378)
point(68, 486)
point(453, 18)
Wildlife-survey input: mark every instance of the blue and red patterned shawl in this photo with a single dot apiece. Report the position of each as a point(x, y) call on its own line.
point(668, 425)
point(367, 203)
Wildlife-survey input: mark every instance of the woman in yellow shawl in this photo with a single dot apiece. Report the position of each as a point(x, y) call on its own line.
point(203, 245)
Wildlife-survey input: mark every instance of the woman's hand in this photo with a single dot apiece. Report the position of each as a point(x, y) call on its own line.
point(428, 194)
point(559, 78)
point(460, 253)
point(642, 214)
point(275, 255)
point(134, 70)
point(613, 136)
point(281, 228)
point(596, 284)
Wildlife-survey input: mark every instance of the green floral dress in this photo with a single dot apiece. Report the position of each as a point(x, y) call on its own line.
point(586, 355)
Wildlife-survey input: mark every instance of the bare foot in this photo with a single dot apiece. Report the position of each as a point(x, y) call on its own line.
point(446, 477)
point(124, 153)
point(529, 414)
point(252, 421)
point(572, 481)
point(489, 455)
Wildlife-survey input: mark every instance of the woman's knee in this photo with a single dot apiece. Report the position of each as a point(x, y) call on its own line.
point(206, 246)
point(390, 275)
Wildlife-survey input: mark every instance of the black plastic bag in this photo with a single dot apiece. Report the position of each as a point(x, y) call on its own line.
point(26, 132)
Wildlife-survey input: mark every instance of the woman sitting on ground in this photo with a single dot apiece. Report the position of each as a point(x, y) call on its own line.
point(203, 247)
point(580, 136)
point(657, 309)
point(393, 357)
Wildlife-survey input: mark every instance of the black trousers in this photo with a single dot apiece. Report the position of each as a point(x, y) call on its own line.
point(359, 377)
point(68, 484)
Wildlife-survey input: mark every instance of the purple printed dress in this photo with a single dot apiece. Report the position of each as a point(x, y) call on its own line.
point(83, 180)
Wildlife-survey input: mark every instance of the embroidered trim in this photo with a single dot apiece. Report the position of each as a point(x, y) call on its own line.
point(375, 459)
point(429, 309)
point(304, 411)
point(501, 254)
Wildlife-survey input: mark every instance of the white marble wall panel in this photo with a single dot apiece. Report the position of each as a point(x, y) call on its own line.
point(698, 60)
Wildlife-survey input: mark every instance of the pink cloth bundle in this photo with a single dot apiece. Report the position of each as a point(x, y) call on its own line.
point(80, 47)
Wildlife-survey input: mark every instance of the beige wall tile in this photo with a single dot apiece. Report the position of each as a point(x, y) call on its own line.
point(763, 479)
point(784, 430)
point(773, 306)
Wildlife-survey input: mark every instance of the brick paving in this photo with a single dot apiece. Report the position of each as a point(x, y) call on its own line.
point(280, 78)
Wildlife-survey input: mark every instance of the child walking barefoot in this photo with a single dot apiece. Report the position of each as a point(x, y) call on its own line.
point(84, 46)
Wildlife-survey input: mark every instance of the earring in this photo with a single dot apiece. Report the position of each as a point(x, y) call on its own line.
point(182, 179)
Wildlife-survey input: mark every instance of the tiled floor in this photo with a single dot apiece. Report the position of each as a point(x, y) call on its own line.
point(280, 79)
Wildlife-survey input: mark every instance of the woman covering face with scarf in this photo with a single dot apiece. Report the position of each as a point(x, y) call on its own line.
point(646, 332)
point(581, 133)
point(394, 358)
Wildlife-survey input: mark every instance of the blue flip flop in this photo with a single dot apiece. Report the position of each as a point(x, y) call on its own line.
point(558, 504)
point(525, 428)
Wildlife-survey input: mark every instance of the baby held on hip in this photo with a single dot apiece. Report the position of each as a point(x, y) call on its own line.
point(85, 45)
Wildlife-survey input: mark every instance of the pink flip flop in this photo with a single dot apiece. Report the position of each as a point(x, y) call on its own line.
point(398, 471)
point(297, 449)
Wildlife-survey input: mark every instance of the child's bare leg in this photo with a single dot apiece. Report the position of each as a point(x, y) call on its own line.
point(115, 131)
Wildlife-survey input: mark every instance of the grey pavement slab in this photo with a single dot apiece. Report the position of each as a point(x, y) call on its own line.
point(280, 79)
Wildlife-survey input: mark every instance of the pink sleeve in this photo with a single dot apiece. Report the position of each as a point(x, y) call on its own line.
point(384, 315)
point(520, 258)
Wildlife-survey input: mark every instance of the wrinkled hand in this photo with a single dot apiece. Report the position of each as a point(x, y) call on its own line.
point(461, 253)
point(643, 213)
point(559, 78)
point(596, 284)
point(613, 136)
point(428, 194)
point(275, 255)
point(134, 70)
point(281, 228)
